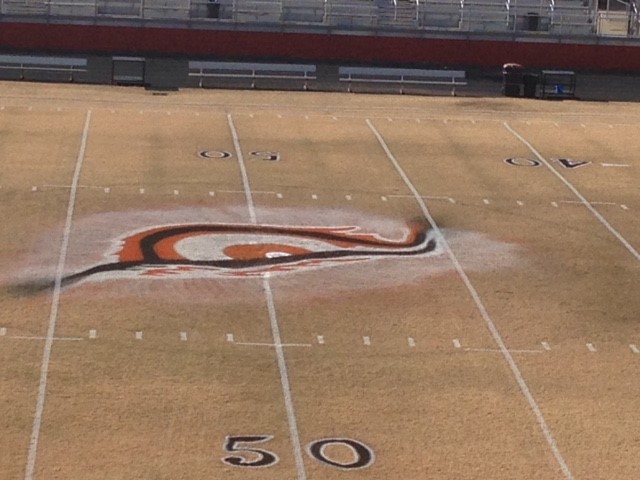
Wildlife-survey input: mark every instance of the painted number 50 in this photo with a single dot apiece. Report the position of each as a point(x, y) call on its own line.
point(324, 450)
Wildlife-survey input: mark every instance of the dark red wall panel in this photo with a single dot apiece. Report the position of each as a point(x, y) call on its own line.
point(315, 47)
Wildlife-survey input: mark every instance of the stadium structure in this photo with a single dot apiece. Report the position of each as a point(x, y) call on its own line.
point(152, 41)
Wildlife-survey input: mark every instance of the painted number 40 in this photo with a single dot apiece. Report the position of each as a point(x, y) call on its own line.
point(247, 454)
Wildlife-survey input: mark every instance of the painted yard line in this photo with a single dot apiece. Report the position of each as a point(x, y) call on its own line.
point(615, 165)
point(3, 331)
point(426, 197)
point(254, 192)
point(284, 380)
point(243, 170)
point(497, 350)
point(138, 335)
point(93, 334)
point(55, 302)
point(28, 337)
point(456, 343)
point(183, 336)
point(591, 347)
point(634, 348)
point(320, 339)
point(576, 202)
point(278, 345)
point(546, 346)
point(273, 319)
point(575, 191)
point(230, 337)
point(411, 341)
point(497, 337)
point(366, 341)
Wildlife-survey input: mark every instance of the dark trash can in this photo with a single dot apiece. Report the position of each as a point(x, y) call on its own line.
point(530, 85)
point(512, 79)
point(213, 9)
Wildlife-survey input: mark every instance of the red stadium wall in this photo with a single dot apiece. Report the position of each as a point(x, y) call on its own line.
point(315, 47)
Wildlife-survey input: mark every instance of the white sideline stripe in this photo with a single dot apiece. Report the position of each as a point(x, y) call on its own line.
point(3, 331)
point(183, 336)
point(634, 348)
point(93, 334)
point(546, 346)
point(456, 343)
point(138, 335)
point(575, 191)
point(230, 337)
point(366, 340)
point(320, 339)
point(275, 329)
point(591, 347)
point(615, 165)
point(243, 170)
point(524, 388)
point(411, 341)
point(55, 301)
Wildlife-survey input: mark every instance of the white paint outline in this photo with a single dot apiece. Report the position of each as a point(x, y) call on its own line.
point(273, 319)
point(55, 302)
point(497, 337)
point(575, 191)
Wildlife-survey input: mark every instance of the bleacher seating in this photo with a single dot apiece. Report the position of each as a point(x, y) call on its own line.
point(550, 17)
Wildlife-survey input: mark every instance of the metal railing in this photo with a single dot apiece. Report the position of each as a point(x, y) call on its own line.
point(558, 17)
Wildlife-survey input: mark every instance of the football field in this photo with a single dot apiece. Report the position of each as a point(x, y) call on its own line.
point(290, 286)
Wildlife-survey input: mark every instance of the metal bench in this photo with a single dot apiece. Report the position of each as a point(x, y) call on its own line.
point(402, 77)
point(23, 64)
point(252, 71)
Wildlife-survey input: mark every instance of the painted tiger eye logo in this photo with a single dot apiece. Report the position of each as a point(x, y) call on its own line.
point(236, 250)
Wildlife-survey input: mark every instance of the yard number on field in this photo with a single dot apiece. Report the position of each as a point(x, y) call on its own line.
point(247, 454)
point(529, 162)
